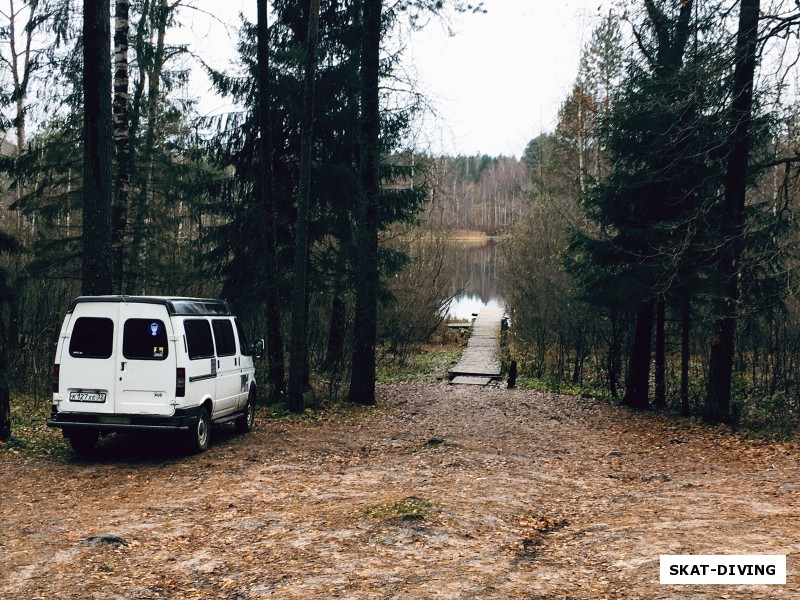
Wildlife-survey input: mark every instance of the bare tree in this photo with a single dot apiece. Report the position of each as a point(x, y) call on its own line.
point(122, 145)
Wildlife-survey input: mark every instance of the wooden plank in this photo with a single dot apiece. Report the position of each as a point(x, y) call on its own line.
point(480, 356)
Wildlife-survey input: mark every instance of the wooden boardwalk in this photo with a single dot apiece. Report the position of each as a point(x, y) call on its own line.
point(479, 363)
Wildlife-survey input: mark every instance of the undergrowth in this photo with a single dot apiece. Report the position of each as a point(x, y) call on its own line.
point(429, 365)
point(29, 431)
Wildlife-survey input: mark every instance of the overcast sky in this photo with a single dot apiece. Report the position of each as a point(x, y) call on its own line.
point(494, 85)
point(501, 78)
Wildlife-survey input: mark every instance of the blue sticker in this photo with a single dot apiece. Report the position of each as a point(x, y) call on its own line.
point(154, 327)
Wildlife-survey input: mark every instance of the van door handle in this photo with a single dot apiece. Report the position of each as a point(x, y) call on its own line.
point(122, 365)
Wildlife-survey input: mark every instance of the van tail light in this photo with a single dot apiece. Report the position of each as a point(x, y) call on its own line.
point(56, 372)
point(180, 382)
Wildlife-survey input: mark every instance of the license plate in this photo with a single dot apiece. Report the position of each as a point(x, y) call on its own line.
point(87, 397)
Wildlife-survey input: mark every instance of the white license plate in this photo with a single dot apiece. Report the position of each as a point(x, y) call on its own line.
point(87, 396)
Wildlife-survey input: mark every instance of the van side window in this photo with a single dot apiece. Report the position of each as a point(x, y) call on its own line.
point(243, 345)
point(198, 338)
point(223, 336)
point(92, 337)
point(144, 339)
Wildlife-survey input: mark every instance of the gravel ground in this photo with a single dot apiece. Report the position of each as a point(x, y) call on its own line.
point(439, 492)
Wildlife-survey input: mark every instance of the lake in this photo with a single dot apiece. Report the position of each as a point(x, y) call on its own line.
point(477, 274)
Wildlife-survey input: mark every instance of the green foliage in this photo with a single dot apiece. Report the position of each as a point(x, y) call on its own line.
point(234, 247)
point(408, 508)
point(429, 365)
point(30, 434)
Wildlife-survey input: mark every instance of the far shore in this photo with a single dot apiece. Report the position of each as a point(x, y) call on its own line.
point(469, 235)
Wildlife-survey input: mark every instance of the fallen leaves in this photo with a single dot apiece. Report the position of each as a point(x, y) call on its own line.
point(440, 492)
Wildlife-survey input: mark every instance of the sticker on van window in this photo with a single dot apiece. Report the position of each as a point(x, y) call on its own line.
point(158, 352)
point(154, 327)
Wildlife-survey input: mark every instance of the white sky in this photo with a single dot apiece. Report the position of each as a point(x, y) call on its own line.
point(494, 85)
point(499, 81)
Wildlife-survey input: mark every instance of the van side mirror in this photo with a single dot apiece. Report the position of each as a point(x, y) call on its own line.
point(258, 349)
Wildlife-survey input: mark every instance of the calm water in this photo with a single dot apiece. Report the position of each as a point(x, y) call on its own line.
point(477, 268)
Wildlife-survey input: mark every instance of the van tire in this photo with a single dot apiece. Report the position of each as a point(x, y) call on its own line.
point(83, 441)
point(244, 424)
point(200, 434)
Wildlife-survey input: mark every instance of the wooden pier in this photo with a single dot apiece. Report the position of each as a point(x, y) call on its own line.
point(479, 363)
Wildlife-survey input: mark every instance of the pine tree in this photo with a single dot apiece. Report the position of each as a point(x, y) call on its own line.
point(718, 396)
point(362, 380)
point(97, 139)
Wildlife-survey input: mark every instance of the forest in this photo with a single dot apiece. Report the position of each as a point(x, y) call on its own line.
point(648, 241)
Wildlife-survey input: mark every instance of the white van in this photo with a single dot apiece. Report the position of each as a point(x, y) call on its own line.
point(128, 363)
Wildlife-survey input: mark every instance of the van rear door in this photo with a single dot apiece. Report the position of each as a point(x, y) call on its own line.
point(88, 358)
point(146, 360)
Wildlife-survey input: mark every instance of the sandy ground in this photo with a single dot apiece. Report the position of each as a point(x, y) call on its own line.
point(440, 492)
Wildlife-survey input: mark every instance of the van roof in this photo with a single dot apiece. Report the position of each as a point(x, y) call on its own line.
point(175, 306)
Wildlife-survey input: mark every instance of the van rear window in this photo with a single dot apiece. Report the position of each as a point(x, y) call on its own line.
point(145, 339)
point(92, 337)
point(223, 335)
point(199, 342)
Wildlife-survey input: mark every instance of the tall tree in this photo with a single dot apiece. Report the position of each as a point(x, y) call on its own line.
point(362, 378)
point(97, 138)
point(718, 393)
point(671, 36)
point(119, 217)
point(266, 190)
point(19, 60)
point(7, 245)
point(298, 343)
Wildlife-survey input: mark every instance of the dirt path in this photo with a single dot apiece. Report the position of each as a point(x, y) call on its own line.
point(442, 492)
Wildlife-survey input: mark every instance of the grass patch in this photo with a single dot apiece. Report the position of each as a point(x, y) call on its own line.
point(29, 431)
point(412, 507)
point(319, 409)
point(429, 365)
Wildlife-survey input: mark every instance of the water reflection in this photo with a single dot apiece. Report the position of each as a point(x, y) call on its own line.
point(476, 279)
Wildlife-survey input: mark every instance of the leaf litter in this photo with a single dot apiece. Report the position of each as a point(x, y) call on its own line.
point(442, 492)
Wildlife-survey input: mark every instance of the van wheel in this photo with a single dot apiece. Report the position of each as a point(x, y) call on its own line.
point(245, 422)
point(200, 434)
point(83, 441)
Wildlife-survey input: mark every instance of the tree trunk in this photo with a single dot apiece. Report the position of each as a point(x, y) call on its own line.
point(638, 380)
point(661, 355)
point(720, 370)
point(97, 139)
point(298, 344)
point(20, 73)
point(613, 357)
point(5, 395)
point(686, 322)
point(338, 318)
point(119, 216)
point(362, 376)
point(276, 374)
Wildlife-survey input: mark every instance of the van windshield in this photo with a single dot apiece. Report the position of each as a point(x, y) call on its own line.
point(145, 339)
point(92, 337)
